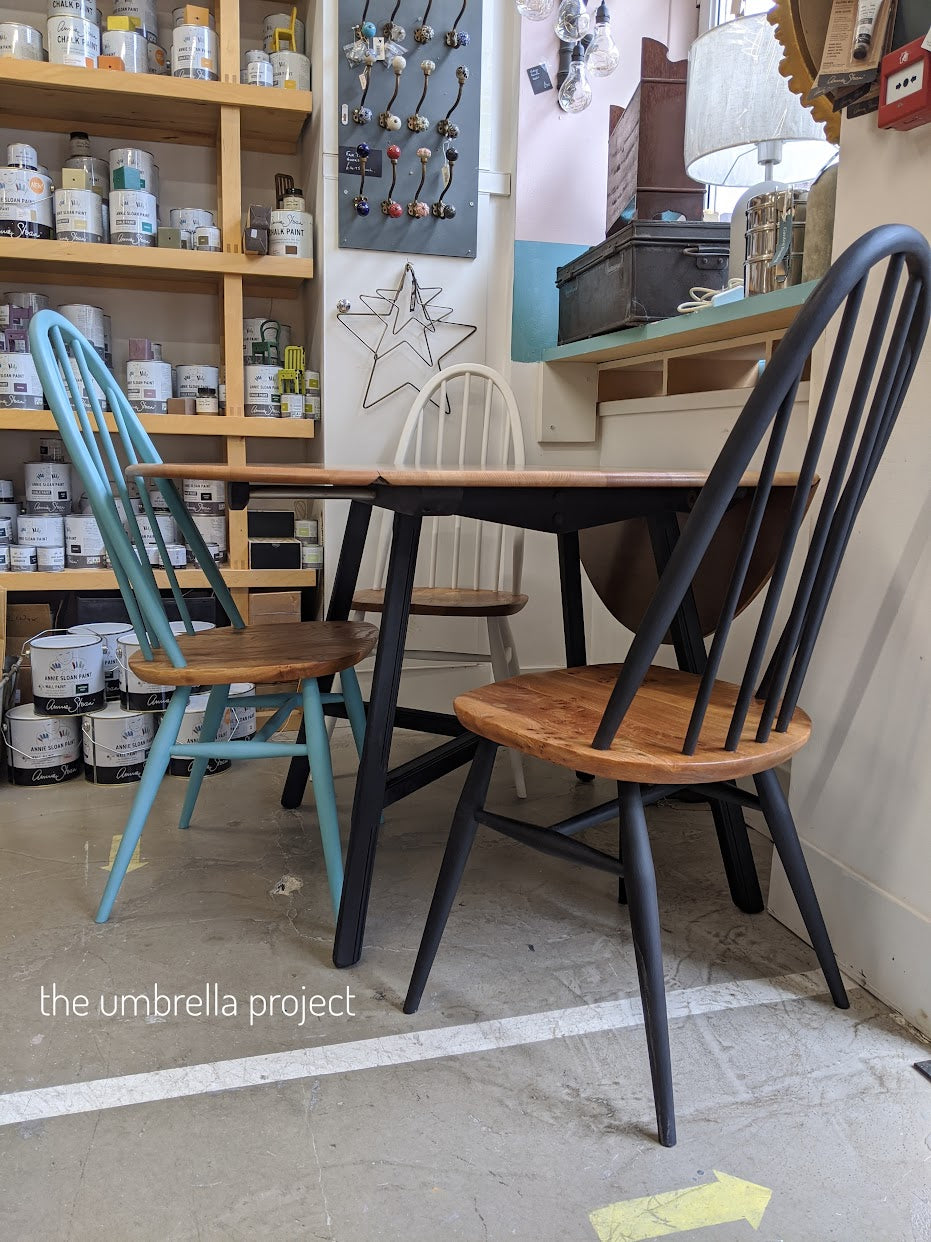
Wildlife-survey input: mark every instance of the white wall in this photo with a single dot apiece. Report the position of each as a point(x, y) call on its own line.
point(861, 789)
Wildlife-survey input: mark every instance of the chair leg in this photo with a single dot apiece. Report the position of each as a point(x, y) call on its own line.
point(644, 923)
point(355, 707)
point(785, 838)
point(461, 837)
point(321, 768)
point(331, 720)
point(502, 667)
point(155, 767)
point(213, 716)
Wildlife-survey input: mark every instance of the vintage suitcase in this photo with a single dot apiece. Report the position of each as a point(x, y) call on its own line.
point(640, 274)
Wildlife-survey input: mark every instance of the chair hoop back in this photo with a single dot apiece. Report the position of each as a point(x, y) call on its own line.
point(482, 430)
point(883, 365)
point(73, 377)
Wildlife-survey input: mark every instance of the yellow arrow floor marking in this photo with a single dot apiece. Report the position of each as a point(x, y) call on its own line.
point(134, 863)
point(676, 1211)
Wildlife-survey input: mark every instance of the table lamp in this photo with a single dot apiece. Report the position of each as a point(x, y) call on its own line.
point(742, 121)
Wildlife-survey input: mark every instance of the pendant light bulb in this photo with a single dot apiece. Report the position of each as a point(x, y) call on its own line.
point(536, 10)
point(575, 94)
point(572, 21)
point(603, 55)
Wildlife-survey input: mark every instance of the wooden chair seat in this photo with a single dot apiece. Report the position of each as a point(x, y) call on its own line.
point(554, 716)
point(448, 602)
point(261, 653)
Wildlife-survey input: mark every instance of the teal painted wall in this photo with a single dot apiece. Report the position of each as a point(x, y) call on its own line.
point(535, 316)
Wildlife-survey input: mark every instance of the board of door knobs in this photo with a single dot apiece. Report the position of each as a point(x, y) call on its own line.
point(416, 209)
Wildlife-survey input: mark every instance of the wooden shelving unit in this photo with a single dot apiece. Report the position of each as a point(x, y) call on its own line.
point(140, 109)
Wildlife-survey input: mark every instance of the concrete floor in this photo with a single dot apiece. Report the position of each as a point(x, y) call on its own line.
point(821, 1107)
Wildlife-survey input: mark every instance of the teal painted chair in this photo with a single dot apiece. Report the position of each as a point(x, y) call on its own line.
point(272, 654)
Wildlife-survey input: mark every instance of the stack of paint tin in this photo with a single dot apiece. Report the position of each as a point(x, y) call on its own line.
point(197, 227)
point(73, 33)
point(26, 205)
point(133, 197)
point(20, 387)
point(205, 500)
point(290, 66)
point(194, 49)
point(258, 69)
point(82, 209)
point(307, 532)
point(143, 16)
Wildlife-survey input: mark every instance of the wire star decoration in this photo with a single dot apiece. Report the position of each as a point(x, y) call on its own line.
point(406, 326)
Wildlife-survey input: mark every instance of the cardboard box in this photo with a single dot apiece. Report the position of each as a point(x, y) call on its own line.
point(260, 216)
point(74, 179)
point(25, 621)
point(124, 23)
point(170, 238)
point(113, 63)
point(181, 405)
point(194, 15)
point(255, 241)
point(274, 607)
point(127, 179)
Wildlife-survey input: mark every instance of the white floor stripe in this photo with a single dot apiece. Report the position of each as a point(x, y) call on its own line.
point(191, 1080)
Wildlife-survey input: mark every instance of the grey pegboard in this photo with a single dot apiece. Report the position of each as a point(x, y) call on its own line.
point(431, 236)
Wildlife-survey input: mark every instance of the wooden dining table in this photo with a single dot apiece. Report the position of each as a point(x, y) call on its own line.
point(559, 502)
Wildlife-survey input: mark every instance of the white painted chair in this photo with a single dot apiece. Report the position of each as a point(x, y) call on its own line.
point(466, 568)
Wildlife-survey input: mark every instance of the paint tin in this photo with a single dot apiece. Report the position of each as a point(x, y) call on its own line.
point(48, 487)
point(4, 558)
point(191, 218)
point(216, 552)
point(140, 161)
point(41, 751)
point(208, 239)
point(7, 531)
point(96, 171)
point(116, 745)
point(244, 719)
point(204, 496)
point(311, 555)
point(159, 504)
point(177, 18)
point(40, 530)
point(133, 218)
point(191, 378)
point(6, 491)
point(26, 204)
point(85, 9)
point(130, 46)
point(138, 695)
point(50, 560)
point(282, 21)
point(177, 555)
point(212, 528)
point(84, 546)
point(252, 335)
point(313, 405)
point(291, 234)
point(20, 387)
point(52, 448)
point(190, 731)
point(292, 405)
point(23, 560)
point(158, 58)
point(82, 389)
point(108, 632)
point(307, 530)
point(258, 73)
point(89, 322)
point(73, 41)
point(27, 300)
point(145, 11)
point(20, 41)
point(166, 526)
point(67, 673)
point(78, 216)
point(194, 53)
point(22, 155)
point(262, 397)
point(206, 403)
point(148, 386)
point(290, 71)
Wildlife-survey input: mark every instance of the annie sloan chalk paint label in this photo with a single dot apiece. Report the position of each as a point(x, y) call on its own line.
point(133, 218)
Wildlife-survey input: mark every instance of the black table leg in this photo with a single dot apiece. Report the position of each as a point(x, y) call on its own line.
point(573, 612)
point(373, 766)
point(344, 587)
point(692, 657)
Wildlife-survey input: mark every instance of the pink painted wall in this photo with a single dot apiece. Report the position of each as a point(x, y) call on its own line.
point(562, 160)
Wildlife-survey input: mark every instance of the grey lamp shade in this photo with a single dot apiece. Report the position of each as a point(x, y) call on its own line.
point(736, 99)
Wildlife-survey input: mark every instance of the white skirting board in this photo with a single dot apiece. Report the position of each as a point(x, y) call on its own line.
point(879, 941)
